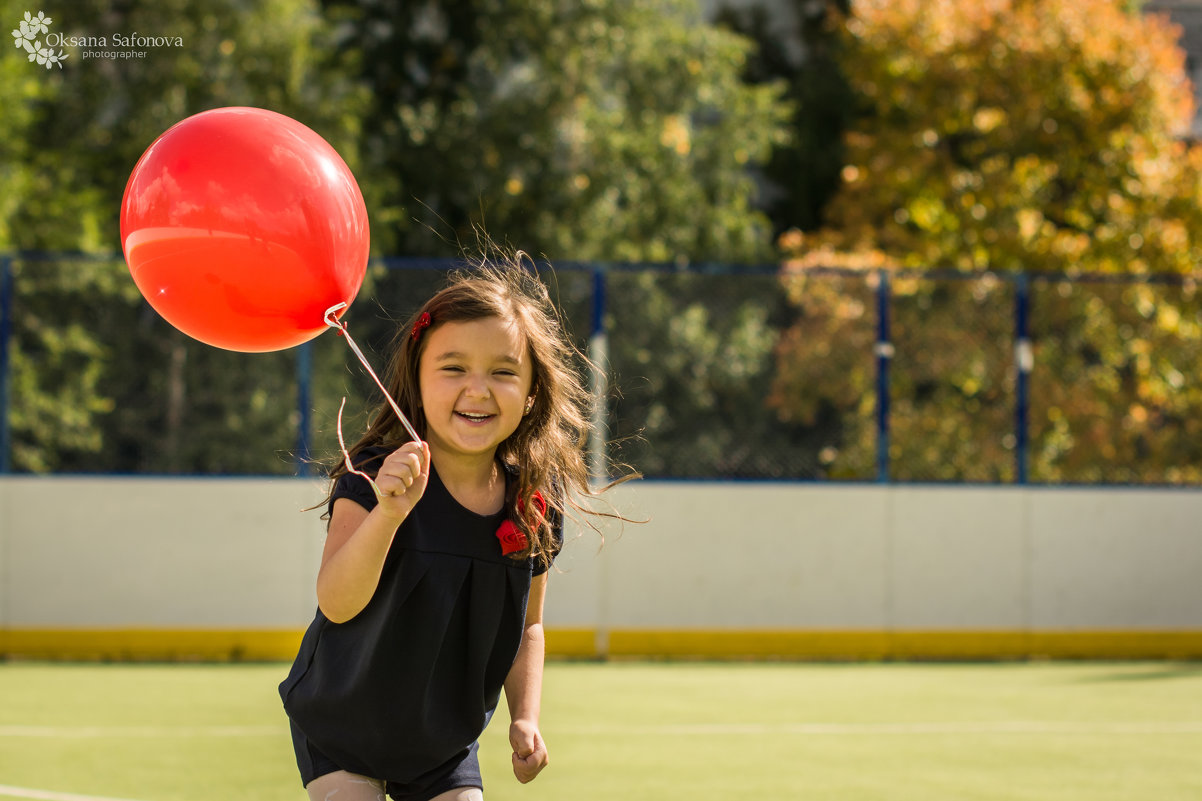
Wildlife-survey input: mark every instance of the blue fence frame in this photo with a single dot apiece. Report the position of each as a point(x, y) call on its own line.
point(6, 317)
point(883, 349)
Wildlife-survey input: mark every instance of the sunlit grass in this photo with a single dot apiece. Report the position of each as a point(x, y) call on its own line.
point(632, 731)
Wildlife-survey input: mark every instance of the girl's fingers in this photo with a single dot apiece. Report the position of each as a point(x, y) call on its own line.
point(402, 469)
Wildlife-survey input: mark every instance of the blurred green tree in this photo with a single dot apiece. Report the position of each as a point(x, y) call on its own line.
point(98, 383)
point(1023, 137)
point(798, 42)
point(618, 131)
point(599, 130)
point(594, 130)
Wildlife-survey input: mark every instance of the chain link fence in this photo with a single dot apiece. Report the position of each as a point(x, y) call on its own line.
point(713, 372)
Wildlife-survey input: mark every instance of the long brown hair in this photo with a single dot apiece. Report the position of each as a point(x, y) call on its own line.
point(546, 452)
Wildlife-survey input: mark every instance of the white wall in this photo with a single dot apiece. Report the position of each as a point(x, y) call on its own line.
point(167, 553)
point(157, 552)
point(892, 557)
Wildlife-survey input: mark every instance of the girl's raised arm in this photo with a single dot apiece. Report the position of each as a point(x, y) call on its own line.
point(357, 540)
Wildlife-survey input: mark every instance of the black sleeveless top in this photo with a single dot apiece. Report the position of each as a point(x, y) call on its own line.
point(412, 680)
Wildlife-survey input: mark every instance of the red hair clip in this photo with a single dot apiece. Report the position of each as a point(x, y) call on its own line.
point(422, 323)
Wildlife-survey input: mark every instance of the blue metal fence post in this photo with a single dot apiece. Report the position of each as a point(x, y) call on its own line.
point(884, 354)
point(6, 330)
point(598, 353)
point(304, 407)
point(1024, 362)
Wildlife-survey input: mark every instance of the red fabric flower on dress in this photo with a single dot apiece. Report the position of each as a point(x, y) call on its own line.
point(422, 324)
point(513, 539)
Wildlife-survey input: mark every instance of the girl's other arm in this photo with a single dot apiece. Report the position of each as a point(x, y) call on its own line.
point(523, 689)
point(357, 540)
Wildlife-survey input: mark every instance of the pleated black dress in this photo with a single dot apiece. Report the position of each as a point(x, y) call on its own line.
point(402, 691)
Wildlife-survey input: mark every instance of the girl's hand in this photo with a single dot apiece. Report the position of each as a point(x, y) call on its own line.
point(402, 479)
point(529, 750)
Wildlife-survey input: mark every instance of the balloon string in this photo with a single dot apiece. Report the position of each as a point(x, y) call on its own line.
point(333, 322)
point(347, 457)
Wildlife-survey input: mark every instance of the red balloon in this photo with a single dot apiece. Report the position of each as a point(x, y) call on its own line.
point(241, 227)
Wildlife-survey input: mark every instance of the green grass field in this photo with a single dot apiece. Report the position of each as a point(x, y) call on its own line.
point(703, 732)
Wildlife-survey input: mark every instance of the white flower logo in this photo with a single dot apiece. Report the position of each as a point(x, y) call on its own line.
point(26, 36)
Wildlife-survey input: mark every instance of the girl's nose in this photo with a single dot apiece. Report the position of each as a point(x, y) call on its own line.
point(477, 387)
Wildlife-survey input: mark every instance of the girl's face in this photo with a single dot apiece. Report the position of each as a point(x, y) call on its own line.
point(474, 379)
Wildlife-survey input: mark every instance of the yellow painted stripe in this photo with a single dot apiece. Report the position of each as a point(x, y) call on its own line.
point(220, 645)
point(1118, 644)
point(959, 645)
point(726, 644)
point(282, 644)
point(572, 643)
point(875, 644)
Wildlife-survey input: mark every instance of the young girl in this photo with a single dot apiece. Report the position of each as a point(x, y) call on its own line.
point(431, 586)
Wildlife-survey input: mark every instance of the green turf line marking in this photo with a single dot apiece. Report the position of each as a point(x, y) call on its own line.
point(55, 732)
point(956, 727)
point(49, 795)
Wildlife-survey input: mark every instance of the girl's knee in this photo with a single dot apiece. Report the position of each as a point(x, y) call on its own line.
point(344, 786)
point(461, 794)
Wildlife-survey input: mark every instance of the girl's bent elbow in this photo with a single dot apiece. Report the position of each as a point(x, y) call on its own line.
point(333, 603)
point(335, 615)
point(334, 611)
